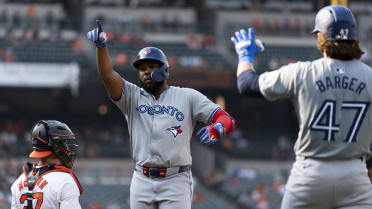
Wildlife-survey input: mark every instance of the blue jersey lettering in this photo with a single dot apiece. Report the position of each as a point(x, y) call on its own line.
point(320, 85)
point(158, 109)
point(343, 82)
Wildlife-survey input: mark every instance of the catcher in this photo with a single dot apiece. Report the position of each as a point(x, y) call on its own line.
point(50, 183)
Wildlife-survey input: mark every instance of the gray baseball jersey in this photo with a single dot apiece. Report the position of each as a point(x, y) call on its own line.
point(160, 130)
point(332, 101)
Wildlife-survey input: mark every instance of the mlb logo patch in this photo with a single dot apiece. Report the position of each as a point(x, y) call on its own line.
point(175, 130)
point(340, 71)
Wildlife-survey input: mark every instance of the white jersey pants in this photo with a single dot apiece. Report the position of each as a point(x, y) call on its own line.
point(170, 192)
point(331, 184)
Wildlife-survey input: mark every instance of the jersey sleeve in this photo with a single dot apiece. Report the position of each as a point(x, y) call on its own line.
point(203, 108)
point(280, 83)
point(127, 96)
point(70, 194)
point(14, 194)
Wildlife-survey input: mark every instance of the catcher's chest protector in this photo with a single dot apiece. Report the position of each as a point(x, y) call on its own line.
point(33, 174)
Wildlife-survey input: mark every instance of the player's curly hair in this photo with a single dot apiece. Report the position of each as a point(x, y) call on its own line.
point(342, 50)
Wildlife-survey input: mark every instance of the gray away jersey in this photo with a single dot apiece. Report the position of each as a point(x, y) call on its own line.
point(332, 101)
point(160, 130)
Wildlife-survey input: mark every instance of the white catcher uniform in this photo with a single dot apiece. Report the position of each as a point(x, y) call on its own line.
point(160, 132)
point(53, 190)
point(332, 101)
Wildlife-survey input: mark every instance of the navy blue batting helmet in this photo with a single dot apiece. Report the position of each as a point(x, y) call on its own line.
point(336, 22)
point(154, 53)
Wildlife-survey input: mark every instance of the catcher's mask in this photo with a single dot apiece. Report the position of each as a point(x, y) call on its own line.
point(51, 136)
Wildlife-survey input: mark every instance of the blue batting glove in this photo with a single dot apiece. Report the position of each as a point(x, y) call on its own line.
point(210, 134)
point(246, 46)
point(98, 36)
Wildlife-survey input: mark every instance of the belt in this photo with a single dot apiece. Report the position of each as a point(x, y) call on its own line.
point(327, 159)
point(161, 172)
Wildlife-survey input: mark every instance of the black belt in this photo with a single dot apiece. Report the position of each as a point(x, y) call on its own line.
point(326, 159)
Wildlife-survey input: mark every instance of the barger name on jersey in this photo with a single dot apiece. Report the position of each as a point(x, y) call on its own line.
point(158, 109)
point(341, 82)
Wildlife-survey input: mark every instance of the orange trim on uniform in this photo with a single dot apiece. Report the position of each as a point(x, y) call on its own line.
point(24, 172)
point(41, 139)
point(56, 168)
point(64, 169)
point(40, 153)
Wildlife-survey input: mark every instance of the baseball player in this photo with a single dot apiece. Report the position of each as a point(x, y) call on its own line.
point(332, 97)
point(50, 183)
point(161, 121)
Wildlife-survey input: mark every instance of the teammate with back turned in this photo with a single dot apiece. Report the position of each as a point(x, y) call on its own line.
point(161, 121)
point(332, 97)
point(50, 183)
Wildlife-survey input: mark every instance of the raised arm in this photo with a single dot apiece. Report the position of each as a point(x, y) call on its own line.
point(247, 47)
point(112, 80)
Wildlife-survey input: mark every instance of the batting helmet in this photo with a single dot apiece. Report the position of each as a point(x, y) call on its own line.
point(51, 136)
point(154, 53)
point(336, 23)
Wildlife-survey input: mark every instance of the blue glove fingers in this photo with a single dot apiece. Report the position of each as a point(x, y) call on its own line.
point(238, 36)
point(251, 34)
point(220, 128)
point(233, 39)
point(204, 140)
point(100, 28)
point(201, 131)
point(260, 45)
point(244, 34)
point(205, 137)
point(95, 34)
point(90, 35)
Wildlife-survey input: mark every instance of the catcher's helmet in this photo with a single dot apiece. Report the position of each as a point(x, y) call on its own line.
point(336, 23)
point(51, 136)
point(154, 53)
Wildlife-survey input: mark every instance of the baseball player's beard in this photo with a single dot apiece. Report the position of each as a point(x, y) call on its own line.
point(152, 87)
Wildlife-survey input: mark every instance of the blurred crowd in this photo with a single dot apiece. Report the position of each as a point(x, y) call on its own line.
point(248, 188)
point(95, 139)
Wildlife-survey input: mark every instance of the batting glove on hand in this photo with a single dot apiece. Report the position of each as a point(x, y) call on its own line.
point(246, 46)
point(98, 36)
point(210, 134)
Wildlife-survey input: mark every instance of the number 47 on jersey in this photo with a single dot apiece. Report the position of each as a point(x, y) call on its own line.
point(325, 119)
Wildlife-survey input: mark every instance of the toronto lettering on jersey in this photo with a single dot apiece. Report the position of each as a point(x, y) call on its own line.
point(344, 82)
point(158, 109)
